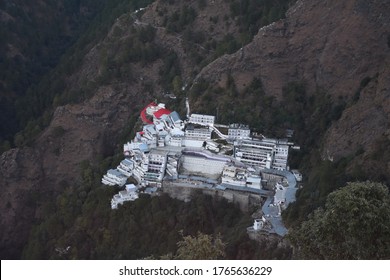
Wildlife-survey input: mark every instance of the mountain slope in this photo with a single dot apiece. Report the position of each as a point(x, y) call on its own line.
point(340, 48)
point(34, 36)
point(323, 72)
point(131, 65)
point(327, 48)
point(333, 54)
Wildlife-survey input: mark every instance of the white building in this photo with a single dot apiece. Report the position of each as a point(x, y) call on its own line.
point(129, 194)
point(176, 132)
point(259, 224)
point(229, 171)
point(297, 175)
point(212, 146)
point(126, 167)
point(203, 163)
point(280, 194)
point(192, 143)
point(129, 147)
point(235, 176)
point(152, 109)
point(198, 133)
point(141, 167)
point(172, 164)
point(265, 153)
point(114, 177)
point(253, 181)
point(232, 175)
point(163, 123)
point(280, 156)
point(174, 141)
point(149, 131)
point(238, 131)
point(139, 174)
point(161, 141)
point(176, 120)
point(202, 119)
point(164, 146)
point(201, 166)
point(156, 166)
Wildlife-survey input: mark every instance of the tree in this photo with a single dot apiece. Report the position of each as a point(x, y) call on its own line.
point(177, 85)
point(201, 247)
point(355, 224)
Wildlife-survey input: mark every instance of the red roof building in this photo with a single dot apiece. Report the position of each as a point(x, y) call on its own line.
point(143, 114)
point(158, 114)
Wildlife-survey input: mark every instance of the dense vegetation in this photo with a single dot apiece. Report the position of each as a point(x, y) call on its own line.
point(150, 227)
point(37, 39)
point(31, 91)
point(353, 225)
point(79, 223)
point(247, 15)
point(309, 114)
point(201, 247)
point(33, 40)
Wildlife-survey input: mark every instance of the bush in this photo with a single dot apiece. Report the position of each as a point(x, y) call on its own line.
point(353, 225)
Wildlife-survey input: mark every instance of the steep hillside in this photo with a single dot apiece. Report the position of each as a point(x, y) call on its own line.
point(138, 60)
point(347, 57)
point(331, 54)
point(34, 36)
point(322, 71)
point(38, 37)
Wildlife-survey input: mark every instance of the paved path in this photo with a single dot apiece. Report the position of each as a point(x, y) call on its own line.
point(272, 212)
point(246, 189)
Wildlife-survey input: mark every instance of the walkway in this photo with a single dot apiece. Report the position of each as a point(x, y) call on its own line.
point(247, 189)
point(272, 212)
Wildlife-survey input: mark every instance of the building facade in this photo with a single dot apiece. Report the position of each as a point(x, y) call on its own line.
point(265, 153)
point(202, 119)
point(238, 131)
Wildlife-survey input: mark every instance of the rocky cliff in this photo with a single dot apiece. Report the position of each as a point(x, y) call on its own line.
point(30, 176)
point(340, 47)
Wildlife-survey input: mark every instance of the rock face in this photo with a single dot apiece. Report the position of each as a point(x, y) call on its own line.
point(20, 181)
point(32, 175)
point(34, 37)
point(328, 44)
point(29, 176)
point(333, 45)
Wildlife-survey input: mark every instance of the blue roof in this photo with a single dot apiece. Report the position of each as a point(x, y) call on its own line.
point(150, 190)
point(150, 128)
point(175, 116)
point(127, 162)
point(144, 147)
point(115, 172)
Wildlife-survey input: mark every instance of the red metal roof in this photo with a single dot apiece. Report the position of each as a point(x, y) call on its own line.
point(143, 114)
point(161, 112)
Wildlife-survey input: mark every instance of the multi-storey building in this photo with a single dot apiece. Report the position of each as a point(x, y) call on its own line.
point(280, 156)
point(238, 131)
point(174, 141)
point(156, 167)
point(126, 167)
point(114, 177)
point(202, 119)
point(129, 194)
point(265, 153)
point(198, 133)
